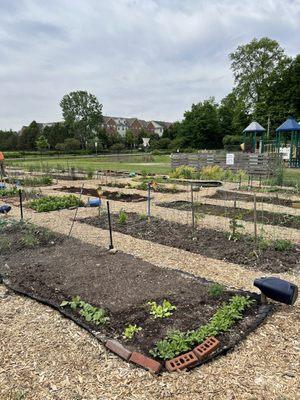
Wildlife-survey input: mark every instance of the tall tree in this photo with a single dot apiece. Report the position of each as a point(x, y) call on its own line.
point(83, 112)
point(42, 143)
point(57, 133)
point(28, 137)
point(255, 66)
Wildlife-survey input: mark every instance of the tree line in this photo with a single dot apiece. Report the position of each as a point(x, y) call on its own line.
point(266, 89)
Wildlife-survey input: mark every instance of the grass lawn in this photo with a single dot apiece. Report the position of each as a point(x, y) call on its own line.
point(158, 164)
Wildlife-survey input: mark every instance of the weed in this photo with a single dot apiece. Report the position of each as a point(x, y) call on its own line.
point(130, 331)
point(163, 310)
point(29, 240)
point(216, 290)
point(122, 217)
point(5, 244)
point(142, 217)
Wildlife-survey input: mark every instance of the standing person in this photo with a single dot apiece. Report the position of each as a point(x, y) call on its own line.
point(2, 170)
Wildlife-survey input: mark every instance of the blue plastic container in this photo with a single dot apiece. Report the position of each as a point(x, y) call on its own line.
point(94, 202)
point(2, 185)
point(5, 209)
point(277, 289)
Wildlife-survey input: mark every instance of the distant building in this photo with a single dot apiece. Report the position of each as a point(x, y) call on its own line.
point(120, 125)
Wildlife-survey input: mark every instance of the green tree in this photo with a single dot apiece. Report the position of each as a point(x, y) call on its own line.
point(28, 137)
point(255, 66)
point(71, 144)
point(200, 127)
point(83, 113)
point(8, 140)
point(57, 133)
point(42, 143)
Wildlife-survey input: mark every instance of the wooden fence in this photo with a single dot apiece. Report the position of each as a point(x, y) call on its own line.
point(253, 164)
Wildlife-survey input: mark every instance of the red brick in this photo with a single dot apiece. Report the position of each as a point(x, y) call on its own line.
point(204, 349)
point(184, 361)
point(118, 349)
point(145, 362)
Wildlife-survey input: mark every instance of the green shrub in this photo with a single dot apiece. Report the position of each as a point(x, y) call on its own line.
point(224, 318)
point(52, 203)
point(183, 172)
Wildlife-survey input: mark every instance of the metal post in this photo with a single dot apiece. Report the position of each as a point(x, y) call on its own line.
point(21, 204)
point(149, 202)
point(193, 210)
point(110, 246)
point(255, 218)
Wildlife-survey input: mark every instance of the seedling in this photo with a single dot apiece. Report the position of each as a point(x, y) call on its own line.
point(163, 310)
point(130, 331)
point(234, 226)
point(216, 290)
point(283, 245)
point(89, 312)
point(122, 217)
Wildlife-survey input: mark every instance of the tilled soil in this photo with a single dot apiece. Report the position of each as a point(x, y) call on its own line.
point(204, 241)
point(134, 197)
point(121, 284)
point(230, 195)
point(264, 217)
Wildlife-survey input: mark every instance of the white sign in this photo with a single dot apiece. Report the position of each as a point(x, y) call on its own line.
point(145, 141)
point(229, 159)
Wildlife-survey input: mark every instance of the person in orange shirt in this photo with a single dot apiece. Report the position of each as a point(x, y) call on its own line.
point(2, 170)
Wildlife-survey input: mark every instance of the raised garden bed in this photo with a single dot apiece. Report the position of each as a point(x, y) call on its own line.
point(53, 203)
point(230, 195)
point(126, 197)
point(159, 188)
point(207, 242)
point(265, 217)
point(122, 285)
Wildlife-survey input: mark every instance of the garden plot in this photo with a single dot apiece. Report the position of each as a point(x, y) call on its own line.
point(118, 196)
point(231, 195)
point(264, 217)
point(265, 255)
point(125, 298)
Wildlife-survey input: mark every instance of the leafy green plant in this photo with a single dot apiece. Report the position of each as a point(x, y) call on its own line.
point(184, 172)
point(163, 310)
point(90, 313)
point(282, 245)
point(29, 240)
point(8, 192)
point(235, 226)
point(5, 244)
point(52, 203)
point(142, 217)
point(122, 217)
point(216, 290)
point(130, 331)
point(224, 318)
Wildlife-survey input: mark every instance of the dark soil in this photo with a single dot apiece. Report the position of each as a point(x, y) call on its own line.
point(208, 242)
point(229, 195)
point(128, 198)
point(121, 284)
point(265, 217)
point(157, 189)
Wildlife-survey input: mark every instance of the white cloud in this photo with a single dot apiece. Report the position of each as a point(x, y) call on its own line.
point(145, 58)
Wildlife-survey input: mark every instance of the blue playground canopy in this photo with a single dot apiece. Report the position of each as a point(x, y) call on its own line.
point(254, 127)
point(289, 125)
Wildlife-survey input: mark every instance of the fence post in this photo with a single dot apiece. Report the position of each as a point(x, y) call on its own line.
point(21, 204)
point(193, 210)
point(110, 246)
point(255, 218)
point(149, 201)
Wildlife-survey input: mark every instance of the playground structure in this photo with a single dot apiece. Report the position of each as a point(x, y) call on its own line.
point(288, 142)
point(254, 138)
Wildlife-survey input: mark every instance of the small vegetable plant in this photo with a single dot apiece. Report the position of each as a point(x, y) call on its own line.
point(216, 290)
point(52, 203)
point(177, 342)
point(130, 331)
point(163, 310)
point(235, 226)
point(90, 313)
point(122, 217)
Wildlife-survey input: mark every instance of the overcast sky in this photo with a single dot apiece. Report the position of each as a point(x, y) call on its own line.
point(142, 58)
